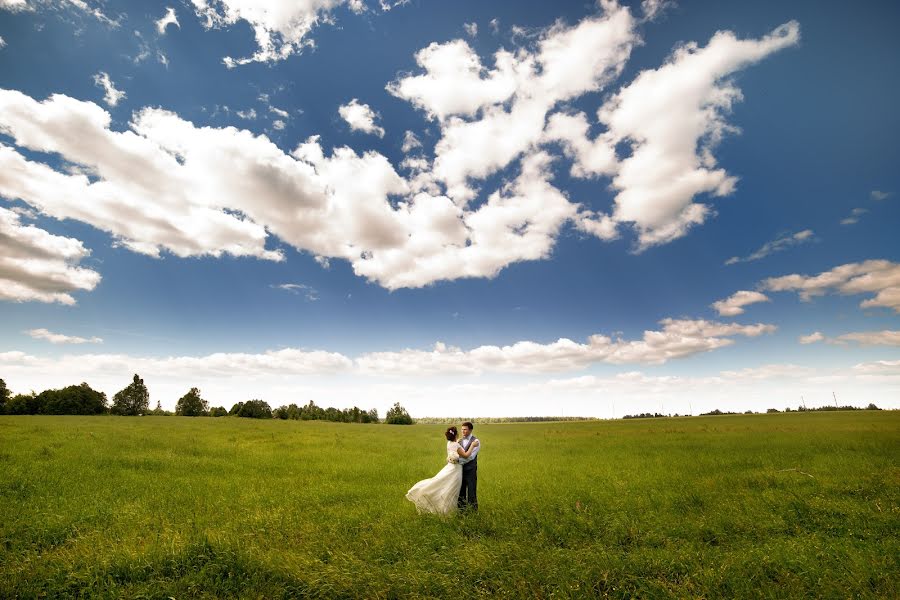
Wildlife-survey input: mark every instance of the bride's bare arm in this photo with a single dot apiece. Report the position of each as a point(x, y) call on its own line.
point(466, 453)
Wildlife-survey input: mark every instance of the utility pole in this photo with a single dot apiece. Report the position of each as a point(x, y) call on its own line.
point(691, 407)
point(835, 399)
point(802, 402)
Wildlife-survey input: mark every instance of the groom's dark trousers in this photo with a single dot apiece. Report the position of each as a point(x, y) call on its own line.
point(467, 492)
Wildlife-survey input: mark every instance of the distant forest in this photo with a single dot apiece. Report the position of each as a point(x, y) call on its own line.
point(134, 400)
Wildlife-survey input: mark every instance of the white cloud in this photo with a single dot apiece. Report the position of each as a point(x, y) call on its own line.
point(300, 289)
point(247, 115)
point(673, 117)
point(783, 242)
point(652, 9)
point(495, 25)
point(881, 277)
point(879, 195)
point(812, 338)
point(885, 337)
point(281, 113)
point(480, 133)
point(734, 304)
point(281, 27)
point(360, 117)
point(855, 214)
point(278, 124)
point(38, 266)
point(471, 29)
point(166, 185)
point(14, 5)
point(58, 338)
point(2, 43)
point(168, 19)
point(677, 339)
point(410, 142)
point(112, 96)
point(162, 58)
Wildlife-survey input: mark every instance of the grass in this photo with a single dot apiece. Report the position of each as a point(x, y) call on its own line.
point(765, 506)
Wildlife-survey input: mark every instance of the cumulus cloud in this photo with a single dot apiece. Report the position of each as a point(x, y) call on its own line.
point(167, 185)
point(168, 19)
point(471, 29)
point(281, 27)
point(410, 142)
point(812, 338)
point(2, 43)
point(59, 338)
point(678, 338)
point(36, 265)
point(360, 117)
point(672, 118)
point(112, 96)
point(247, 115)
point(14, 5)
point(881, 277)
point(490, 118)
point(734, 304)
point(879, 195)
point(782, 242)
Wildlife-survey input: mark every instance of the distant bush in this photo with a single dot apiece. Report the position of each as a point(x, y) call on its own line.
point(397, 415)
point(772, 410)
point(218, 411)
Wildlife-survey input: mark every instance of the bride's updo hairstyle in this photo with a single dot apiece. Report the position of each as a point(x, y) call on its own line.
point(451, 434)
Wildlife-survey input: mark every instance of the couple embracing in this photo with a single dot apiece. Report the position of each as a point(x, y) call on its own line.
point(454, 487)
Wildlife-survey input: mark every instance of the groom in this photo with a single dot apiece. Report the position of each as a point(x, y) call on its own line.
point(467, 496)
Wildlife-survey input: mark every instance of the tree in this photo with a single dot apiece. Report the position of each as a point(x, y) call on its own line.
point(218, 411)
point(236, 408)
point(24, 404)
point(255, 409)
point(133, 400)
point(397, 415)
point(72, 400)
point(192, 405)
point(4, 396)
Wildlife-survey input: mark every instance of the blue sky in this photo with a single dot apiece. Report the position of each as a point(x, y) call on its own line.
point(203, 236)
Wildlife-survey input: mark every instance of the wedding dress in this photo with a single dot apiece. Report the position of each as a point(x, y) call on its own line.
point(440, 493)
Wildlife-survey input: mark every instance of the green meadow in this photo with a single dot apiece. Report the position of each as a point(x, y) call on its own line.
point(767, 506)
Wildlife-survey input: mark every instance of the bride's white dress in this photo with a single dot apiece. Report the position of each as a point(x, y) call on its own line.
point(440, 493)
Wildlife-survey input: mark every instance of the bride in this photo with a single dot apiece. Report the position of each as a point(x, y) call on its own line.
point(440, 493)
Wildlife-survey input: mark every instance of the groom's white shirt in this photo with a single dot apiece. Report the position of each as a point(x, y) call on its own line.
point(468, 440)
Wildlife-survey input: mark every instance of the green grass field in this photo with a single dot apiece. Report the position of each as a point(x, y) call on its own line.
point(773, 506)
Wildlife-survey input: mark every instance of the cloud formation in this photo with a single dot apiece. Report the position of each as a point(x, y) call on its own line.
point(59, 338)
point(881, 277)
point(170, 18)
point(734, 304)
point(360, 117)
point(111, 96)
point(281, 27)
point(167, 185)
point(885, 337)
point(678, 338)
point(780, 243)
point(36, 265)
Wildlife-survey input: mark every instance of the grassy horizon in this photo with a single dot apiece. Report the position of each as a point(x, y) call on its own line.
point(780, 505)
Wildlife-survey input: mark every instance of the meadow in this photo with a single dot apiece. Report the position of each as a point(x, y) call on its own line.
point(765, 506)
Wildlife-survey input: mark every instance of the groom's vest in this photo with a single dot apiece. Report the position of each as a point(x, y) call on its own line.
point(472, 440)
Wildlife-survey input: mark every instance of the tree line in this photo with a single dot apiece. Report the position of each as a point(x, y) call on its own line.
point(716, 411)
point(134, 400)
